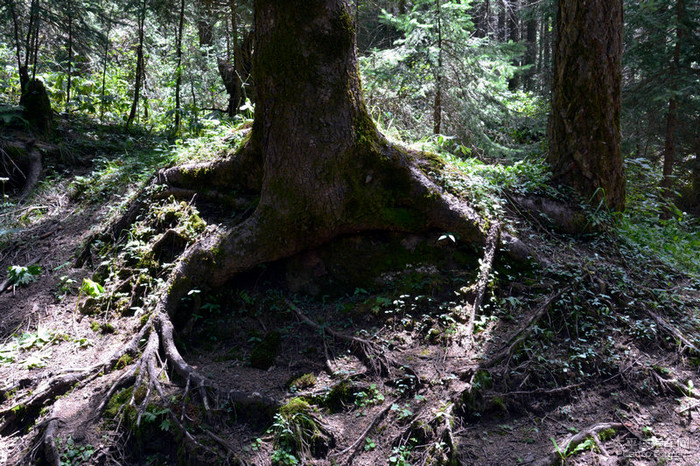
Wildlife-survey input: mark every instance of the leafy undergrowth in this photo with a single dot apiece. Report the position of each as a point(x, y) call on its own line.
point(603, 328)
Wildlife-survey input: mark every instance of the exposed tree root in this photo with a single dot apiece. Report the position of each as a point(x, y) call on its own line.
point(673, 331)
point(21, 161)
point(464, 334)
point(568, 445)
point(675, 386)
point(25, 410)
point(51, 454)
point(241, 170)
point(148, 370)
point(484, 273)
point(522, 334)
point(270, 234)
point(356, 446)
point(368, 351)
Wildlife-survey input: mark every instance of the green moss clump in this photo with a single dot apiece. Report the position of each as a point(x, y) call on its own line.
point(607, 434)
point(302, 382)
point(144, 319)
point(498, 404)
point(118, 400)
point(124, 361)
point(295, 406)
point(264, 354)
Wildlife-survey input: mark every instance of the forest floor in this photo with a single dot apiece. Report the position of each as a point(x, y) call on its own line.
point(359, 342)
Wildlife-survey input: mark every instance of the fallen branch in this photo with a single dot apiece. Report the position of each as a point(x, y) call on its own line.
point(369, 352)
point(357, 444)
point(484, 272)
point(521, 335)
point(672, 330)
point(51, 454)
point(539, 391)
point(567, 446)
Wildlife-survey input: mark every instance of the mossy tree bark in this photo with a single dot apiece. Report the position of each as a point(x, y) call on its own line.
point(584, 126)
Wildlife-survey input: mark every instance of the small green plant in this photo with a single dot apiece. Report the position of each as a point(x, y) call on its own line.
point(403, 413)
point(256, 444)
point(23, 275)
point(586, 445)
point(369, 444)
point(72, 454)
point(65, 287)
point(400, 455)
point(369, 397)
point(283, 457)
point(91, 288)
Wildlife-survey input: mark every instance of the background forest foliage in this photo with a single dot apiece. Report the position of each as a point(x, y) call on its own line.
point(468, 79)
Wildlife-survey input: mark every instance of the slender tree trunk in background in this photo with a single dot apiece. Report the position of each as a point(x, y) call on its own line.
point(70, 52)
point(584, 125)
point(236, 98)
point(669, 151)
point(205, 23)
point(35, 40)
point(502, 29)
point(23, 74)
point(178, 70)
point(402, 7)
point(482, 16)
point(232, 72)
point(195, 115)
point(530, 53)
point(540, 49)
point(547, 43)
point(139, 67)
point(437, 107)
point(104, 67)
point(30, 30)
point(695, 177)
point(672, 116)
point(514, 29)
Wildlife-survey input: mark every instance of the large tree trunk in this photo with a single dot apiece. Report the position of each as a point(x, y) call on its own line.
point(326, 170)
point(320, 147)
point(584, 127)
